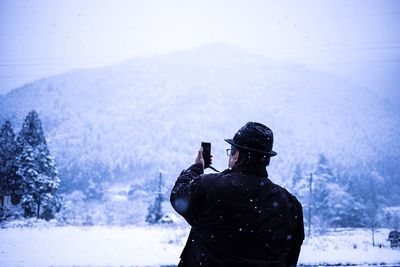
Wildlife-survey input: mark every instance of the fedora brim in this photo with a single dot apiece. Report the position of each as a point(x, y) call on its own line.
point(271, 153)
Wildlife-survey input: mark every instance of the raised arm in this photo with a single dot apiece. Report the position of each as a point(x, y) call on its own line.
point(185, 193)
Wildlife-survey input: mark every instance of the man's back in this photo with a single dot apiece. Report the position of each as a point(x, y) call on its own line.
point(238, 218)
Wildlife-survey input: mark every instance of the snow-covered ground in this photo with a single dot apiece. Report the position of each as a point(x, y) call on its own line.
point(161, 245)
point(349, 247)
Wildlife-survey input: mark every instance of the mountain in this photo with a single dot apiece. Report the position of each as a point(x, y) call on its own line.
point(131, 120)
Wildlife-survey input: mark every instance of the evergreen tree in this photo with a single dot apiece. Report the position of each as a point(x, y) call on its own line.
point(341, 208)
point(31, 132)
point(39, 182)
point(324, 170)
point(94, 190)
point(334, 206)
point(155, 211)
point(297, 177)
point(37, 168)
point(29, 171)
point(10, 182)
point(300, 184)
point(322, 177)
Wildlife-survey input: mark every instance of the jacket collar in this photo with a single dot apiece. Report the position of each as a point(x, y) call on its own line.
point(256, 170)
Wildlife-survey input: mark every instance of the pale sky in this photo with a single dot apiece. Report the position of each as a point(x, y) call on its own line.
point(356, 40)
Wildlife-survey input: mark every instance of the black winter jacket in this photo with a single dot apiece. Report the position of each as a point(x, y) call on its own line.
point(238, 218)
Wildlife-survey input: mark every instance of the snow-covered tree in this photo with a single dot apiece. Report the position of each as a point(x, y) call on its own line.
point(94, 191)
point(341, 208)
point(155, 211)
point(334, 203)
point(297, 176)
point(39, 182)
point(31, 132)
point(301, 184)
point(10, 182)
point(322, 178)
point(40, 179)
point(324, 170)
point(372, 201)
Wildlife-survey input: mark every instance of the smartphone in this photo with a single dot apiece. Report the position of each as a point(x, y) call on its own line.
point(206, 154)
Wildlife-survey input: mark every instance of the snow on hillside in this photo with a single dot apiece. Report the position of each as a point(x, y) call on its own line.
point(162, 245)
point(152, 113)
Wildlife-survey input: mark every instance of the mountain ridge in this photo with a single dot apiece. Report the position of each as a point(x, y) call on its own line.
point(153, 112)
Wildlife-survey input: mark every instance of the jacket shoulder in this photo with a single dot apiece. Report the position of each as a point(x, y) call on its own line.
point(210, 178)
point(285, 192)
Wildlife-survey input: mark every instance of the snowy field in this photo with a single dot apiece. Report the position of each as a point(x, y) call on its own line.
point(161, 246)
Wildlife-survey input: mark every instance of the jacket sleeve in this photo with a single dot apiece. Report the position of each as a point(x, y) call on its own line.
point(294, 251)
point(186, 194)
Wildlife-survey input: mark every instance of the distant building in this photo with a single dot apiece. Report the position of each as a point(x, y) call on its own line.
point(5, 200)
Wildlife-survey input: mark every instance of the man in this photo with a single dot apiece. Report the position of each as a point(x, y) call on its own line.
point(239, 217)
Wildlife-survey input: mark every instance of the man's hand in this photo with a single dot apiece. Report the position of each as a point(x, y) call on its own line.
point(199, 158)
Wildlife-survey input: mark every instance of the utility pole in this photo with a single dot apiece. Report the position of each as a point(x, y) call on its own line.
point(310, 206)
point(160, 185)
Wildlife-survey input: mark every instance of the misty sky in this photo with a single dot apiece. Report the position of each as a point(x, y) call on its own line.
point(357, 40)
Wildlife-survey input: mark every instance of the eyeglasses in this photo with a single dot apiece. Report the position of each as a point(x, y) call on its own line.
point(230, 151)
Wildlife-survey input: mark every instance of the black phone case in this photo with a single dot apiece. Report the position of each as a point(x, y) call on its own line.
point(206, 153)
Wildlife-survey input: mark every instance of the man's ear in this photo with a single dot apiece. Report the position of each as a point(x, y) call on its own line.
point(235, 157)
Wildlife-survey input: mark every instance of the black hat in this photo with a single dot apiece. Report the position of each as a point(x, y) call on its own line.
point(256, 137)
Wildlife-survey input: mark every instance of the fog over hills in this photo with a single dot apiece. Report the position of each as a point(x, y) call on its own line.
point(131, 120)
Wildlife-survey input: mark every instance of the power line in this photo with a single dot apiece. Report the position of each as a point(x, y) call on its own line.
point(379, 61)
point(54, 63)
point(21, 76)
point(68, 61)
point(313, 64)
point(322, 50)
